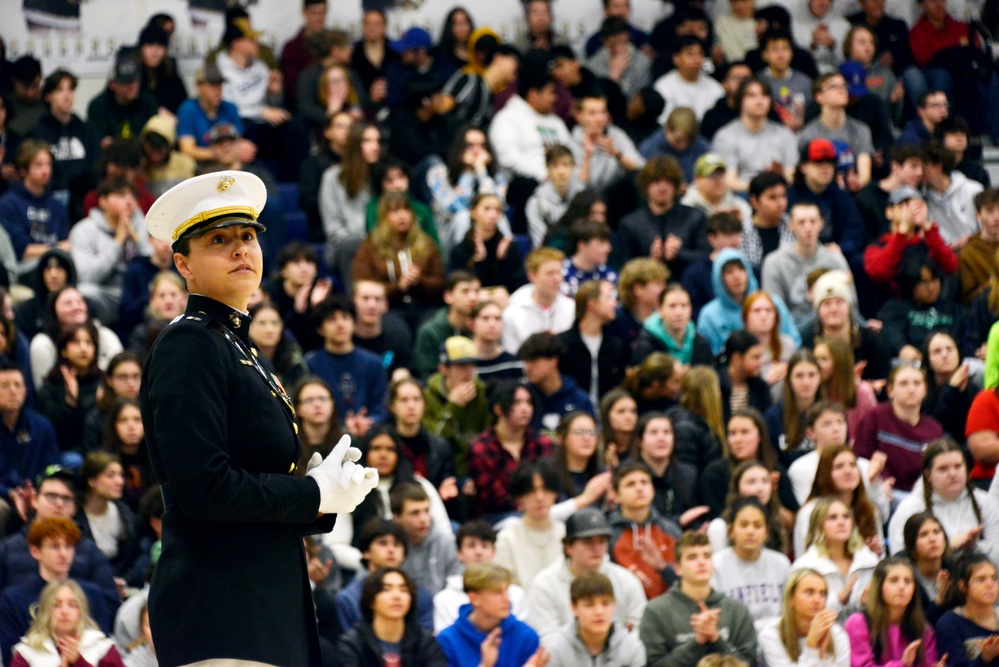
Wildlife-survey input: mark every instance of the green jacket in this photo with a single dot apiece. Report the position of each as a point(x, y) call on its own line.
point(429, 338)
point(992, 358)
point(458, 425)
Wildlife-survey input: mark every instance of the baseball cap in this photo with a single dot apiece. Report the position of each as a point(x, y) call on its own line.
point(240, 28)
point(209, 73)
point(458, 350)
point(56, 472)
point(708, 164)
point(904, 193)
point(586, 523)
point(126, 70)
point(414, 38)
point(819, 150)
point(222, 131)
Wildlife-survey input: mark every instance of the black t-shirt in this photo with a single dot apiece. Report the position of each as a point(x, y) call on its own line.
point(770, 238)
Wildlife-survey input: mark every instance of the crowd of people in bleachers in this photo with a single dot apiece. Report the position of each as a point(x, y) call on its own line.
point(670, 348)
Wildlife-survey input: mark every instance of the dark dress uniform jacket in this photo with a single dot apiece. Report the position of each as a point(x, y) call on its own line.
point(231, 581)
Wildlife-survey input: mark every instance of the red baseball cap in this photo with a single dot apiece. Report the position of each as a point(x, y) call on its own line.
point(819, 150)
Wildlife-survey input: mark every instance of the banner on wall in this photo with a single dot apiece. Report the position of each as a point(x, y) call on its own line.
point(83, 35)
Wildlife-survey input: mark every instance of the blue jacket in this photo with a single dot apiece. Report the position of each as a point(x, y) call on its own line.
point(550, 409)
point(89, 564)
point(358, 380)
point(26, 450)
point(30, 219)
point(192, 121)
point(723, 314)
point(348, 605)
point(16, 613)
point(462, 640)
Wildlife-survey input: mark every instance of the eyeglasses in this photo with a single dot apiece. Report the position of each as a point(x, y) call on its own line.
point(316, 399)
point(584, 431)
point(58, 498)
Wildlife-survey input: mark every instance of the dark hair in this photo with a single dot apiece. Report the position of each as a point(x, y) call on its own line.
point(578, 209)
point(532, 79)
point(913, 622)
point(794, 428)
point(660, 168)
point(934, 152)
point(122, 152)
point(504, 393)
point(447, 43)
point(935, 448)
point(456, 152)
point(734, 502)
point(460, 276)
point(333, 304)
point(723, 223)
point(684, 41)
point(584, 231)
point(479, 529)
point(111, 441)
point(522, 479)
point(116, 186)
point(542, 345)
point(688, 540)
point(379, 527)
point(739, 341)
point(613, 25)
point(774, 35)
point(740, 94)
point(62, 342)
point(910, 273)
point(865, 515)
point(910, 533)
point(557, 152)
point(899, 153)
point(295, 251)
point(335, 431)
point(373, 586)
point(559, 460)
point(963, 569)
point(590, 586)
point(108, 394)
point(380, 171)
point(53, 80)
point(951, 125)
point(627, 468)
point(355, 172)
point(764, 181)
point(924, 97)
point(765, 453)
point(409, 491)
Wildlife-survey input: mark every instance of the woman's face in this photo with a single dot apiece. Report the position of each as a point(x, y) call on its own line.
point(834, 312)
point(982, 586)
point(152, 54)
point(676, 310)
point(110, 484)
point(383, 455)
point(371, 145)
point(899, 587)
point(931, 543)
point(81, 351)
point(408, 405)
point(927, 290)
point(461, 27)
point(909, 388)
point(845, 473)
point(168, 300)
point(805, 379)
point(743, 438)
point(128, 425)
point(65, 613)
point(581, 438)
point(126, 379)
point(487, 215)
point(657, 441)
point(862, 47)
point(758, 483)
point(400, 220)
point(948, 475)
point(749, 529)
point(944, 357)
point(266, 328)
point(761, 317)
point(315, 405)
point(809, 596)
point(823, 357)
point(224, 264)
point(623, 415)
point(336, 81)
point(838, 525)
point(598, 212)
point(394, 599)
point(475, 146)
point(339, 128)
point(70, 308)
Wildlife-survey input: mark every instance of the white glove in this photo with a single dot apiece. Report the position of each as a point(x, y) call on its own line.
point(342, 483)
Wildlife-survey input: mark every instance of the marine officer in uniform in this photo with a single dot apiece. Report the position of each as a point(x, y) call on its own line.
point(231, 586)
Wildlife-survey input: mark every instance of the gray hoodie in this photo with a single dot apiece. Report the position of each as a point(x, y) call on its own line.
point(566, 649)
point(99, 259)
point(669, 639)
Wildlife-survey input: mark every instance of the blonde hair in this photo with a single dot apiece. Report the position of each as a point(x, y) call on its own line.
point(386, 240)
point(639, 271)
point(541, 255)
point(817, 536)
point(702, 395)
point(480, 577)
point(41, 626)
point(787, 628)
point(720, 660)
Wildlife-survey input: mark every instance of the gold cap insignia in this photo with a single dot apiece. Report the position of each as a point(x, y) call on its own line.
point(225, 183)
